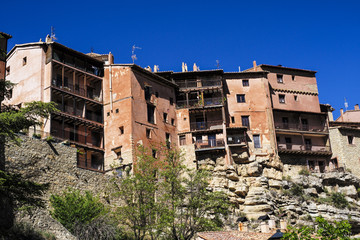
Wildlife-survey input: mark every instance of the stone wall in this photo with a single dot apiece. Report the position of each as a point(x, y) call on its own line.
point(52, 163)
point(348, 155)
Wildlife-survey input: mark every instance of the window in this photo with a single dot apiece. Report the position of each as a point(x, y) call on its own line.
point(245, 83)
point(151, 114)
point(281, 98)
point(117, 110)
point(117, 151)
point(108, 113)
point(168, 140)
point(148, 133)
point(165, 115)
point(279, 78)
point(24, 61)
point(350, 139)
point(147, 90)
point(8, 70)
point(182, 140)
point(154, 153)
point(285, 122)
point(293, 77)
point(245, 121)
point(172, 121)
point(121, 130)
point(240, 98)
point(296, 98)
point(308, 144)
point(156, 94)
point(304, 124)
point(288, 143)
point(171, 101)
point(257, 143)
point(232, 119)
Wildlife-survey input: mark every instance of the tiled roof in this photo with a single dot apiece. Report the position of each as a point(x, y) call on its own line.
point(234, 235)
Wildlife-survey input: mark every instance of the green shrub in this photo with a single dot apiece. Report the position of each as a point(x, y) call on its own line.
point(73, 208)
point(339, 200)
point(296, 190)
point(37, 135)
point(304, 172)
point(49, 139)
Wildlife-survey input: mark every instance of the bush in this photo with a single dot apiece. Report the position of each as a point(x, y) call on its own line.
point(100, 228)
point(73, 208)
point(339, 200)
point(304, 172)
point(296, 190)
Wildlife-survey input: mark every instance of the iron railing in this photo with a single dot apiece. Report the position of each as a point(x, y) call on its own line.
point(300, 127)
point(211, 143)
point(301, 147)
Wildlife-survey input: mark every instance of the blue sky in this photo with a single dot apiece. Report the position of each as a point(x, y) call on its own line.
point(319, 35)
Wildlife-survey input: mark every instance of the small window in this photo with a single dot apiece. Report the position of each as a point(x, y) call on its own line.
point(184, 119)
point(245, 83)
point(117, 110)
point(182, 140)
point(165, 115)
point(154, 153)
point(350, 139)
point(172, 121)
point(293, 77)
point(8, 71)
point(147, 90)
point(24, 61)
point(121, 130)
point(118, 152)
point(257, 143)
point(245, 121)
point(296, 98)
point(156, 94)
point(151, 114)
point(281, 98)
point(279, 78)
point(148, 133)
point(232, 119)
point(171, 101)
point(168, 140)
point(240, 98)
point(108, 113)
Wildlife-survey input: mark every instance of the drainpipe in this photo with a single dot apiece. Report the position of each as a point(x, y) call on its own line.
point(110, 79)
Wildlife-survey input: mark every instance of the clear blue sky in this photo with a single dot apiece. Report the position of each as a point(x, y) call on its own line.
point(319, 35)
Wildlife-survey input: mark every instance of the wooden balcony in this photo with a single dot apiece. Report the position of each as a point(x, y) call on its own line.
point(203, 145)
point(235, 141)
point(76, 90)
point(300, 127)
point(198, 84)
point(196, 103)
point(206, 125)
point(303, 149)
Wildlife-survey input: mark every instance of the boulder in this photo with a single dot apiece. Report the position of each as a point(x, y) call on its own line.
point(242, 190)
point(232, 176)
point(349, 191)
point(275, 183)
point(272, 173)
point(254, 169)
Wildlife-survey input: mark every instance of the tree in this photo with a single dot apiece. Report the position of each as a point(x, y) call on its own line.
point(82, 214)
point(15, 191)
point(163, 199)
point(325, 231)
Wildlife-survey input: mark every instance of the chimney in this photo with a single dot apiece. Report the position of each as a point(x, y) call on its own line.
point(156, 68)
point(184, 67)
point(341, 111)
point(356, 107)
point(148, 68)
point(110, 58)
point(254, 64)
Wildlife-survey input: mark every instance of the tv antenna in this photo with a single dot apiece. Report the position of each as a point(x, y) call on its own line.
point(133, 55)
point(217, 64)
point(52, 35)
point(346, 104)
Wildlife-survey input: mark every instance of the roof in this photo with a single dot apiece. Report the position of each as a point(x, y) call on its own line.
point(234, 235)
point(288, 68)
point(7, 36)
point(55, 44)
point(144, 71)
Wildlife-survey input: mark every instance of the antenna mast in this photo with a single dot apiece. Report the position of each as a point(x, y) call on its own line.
point(52, 35)
point(133, 55)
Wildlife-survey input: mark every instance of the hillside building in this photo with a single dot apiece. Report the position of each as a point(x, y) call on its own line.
point(345, 140)
point(108, 109)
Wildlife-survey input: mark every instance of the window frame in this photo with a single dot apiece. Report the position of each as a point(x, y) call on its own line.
point(245, 83)
point(282, 99)
point(240, 98)
point(280, 78)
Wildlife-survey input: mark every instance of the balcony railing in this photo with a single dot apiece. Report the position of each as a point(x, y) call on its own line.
point(206, 125)
point(212, 143)
point(194, 103)
point(77, 90)
point(77, 137)
point(300, 127)
point(233, 140)
point(198, 83)
point(300, 147)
